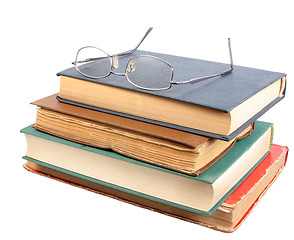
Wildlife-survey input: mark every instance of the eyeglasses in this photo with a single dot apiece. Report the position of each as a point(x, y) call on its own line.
point(143, 71)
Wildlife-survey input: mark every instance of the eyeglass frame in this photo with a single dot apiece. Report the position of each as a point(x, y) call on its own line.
point(112, 66)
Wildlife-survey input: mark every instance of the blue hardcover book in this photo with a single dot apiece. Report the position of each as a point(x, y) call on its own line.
point(219, 107)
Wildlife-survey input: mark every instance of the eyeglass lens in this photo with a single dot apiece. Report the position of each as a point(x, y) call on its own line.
point(149, 73)
point(93, 62)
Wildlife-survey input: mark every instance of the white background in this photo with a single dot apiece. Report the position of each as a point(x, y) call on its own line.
point(40, 38)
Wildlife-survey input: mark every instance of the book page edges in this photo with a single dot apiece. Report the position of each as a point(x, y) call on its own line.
point(260, 148)
point(256, 103)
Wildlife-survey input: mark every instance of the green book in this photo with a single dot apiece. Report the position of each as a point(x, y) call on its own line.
point(200, 194)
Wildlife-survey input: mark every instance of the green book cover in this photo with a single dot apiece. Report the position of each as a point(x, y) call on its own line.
point(209, 176)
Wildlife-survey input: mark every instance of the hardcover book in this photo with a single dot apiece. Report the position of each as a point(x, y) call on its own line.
point(200, 194)
point(170, 148)
point(227, 217)
point(220, 107)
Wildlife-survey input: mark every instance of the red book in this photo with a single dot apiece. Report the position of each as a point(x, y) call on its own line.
point(227, 218)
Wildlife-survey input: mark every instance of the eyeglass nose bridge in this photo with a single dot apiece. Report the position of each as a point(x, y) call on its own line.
point(131, 66)
point(118, 74)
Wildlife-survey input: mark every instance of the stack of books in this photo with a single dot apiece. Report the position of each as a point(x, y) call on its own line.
point(195, 152)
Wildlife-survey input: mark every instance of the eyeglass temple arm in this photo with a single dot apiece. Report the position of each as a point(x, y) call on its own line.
point(193, 80)
point(119, 54)
point(135, 49)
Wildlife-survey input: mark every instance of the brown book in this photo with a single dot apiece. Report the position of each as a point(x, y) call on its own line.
point(227, 218)
point(170, 148)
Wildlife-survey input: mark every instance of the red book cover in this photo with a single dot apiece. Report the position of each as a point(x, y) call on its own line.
point(256, 176)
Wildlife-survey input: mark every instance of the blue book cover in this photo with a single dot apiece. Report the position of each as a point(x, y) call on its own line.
point(222, 93)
